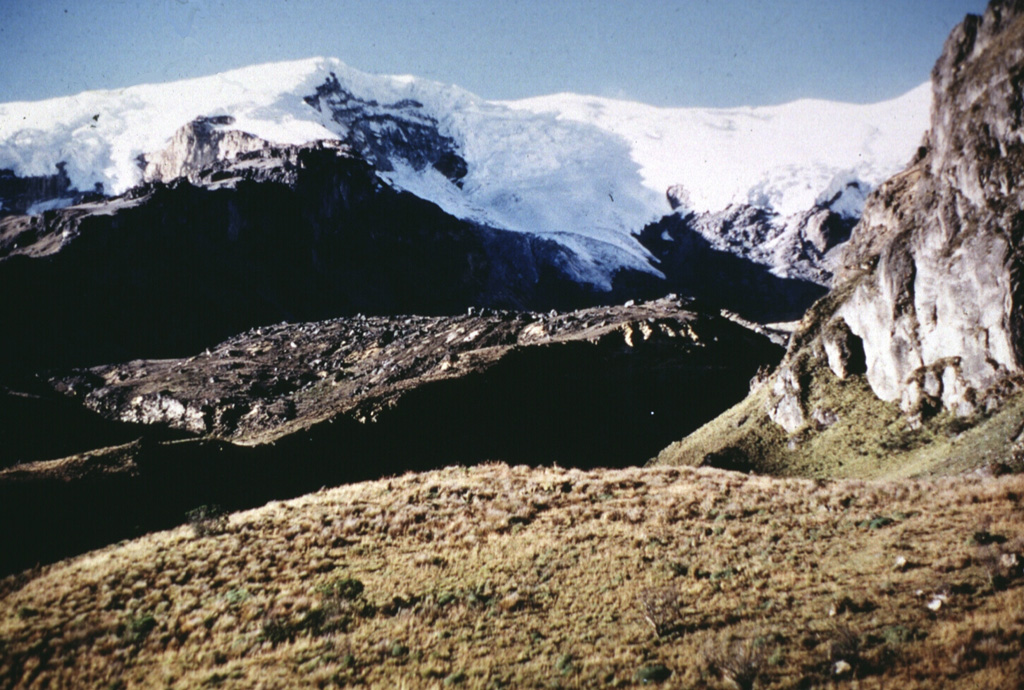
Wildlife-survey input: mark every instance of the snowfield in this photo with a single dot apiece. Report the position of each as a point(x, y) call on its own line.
point(785, 157)
point(585, 171)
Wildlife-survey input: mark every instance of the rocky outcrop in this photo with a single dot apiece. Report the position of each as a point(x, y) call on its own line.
point(198, 147)
point(928, 298)
point(843, 350)
point(786, 402)
point(933, 269)
point(390, 134)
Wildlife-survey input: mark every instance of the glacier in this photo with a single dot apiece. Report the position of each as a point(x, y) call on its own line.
point(587, 172)
point(778, 157)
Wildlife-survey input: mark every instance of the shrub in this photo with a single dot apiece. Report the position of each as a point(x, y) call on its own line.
point(457, 678)
point(278, 629)
point(341, 603)
point(26, 612)
point(844, 645)
point(346, 588)
point(662, 609)
point(1001, 563)
point(207, 520)
point(655, 673)
point(137, 628)
point(739, 662)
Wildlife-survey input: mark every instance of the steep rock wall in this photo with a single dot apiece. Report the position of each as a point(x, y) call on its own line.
point(930, 283)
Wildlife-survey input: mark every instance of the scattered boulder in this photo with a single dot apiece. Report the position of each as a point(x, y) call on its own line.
point(678, 197)
point(824, 229)
point(844, 350)
point(823, 418)
point(785, 406)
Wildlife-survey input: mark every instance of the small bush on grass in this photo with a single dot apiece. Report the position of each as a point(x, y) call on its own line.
point(207, 520)
point(738, 662)
point(137, 628)
point(662, 609)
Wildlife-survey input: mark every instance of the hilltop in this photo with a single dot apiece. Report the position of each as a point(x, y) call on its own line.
point(497, 576)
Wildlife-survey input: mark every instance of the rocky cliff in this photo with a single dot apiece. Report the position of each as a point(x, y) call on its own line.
point(198, 147)
point(921, 339)
point(929, 290)
point(933, 270)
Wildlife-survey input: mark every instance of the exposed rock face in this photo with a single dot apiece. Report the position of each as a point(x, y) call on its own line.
point(785, 407)
point(935, 262)
point(830, 342)
point(198, 147)
point(387, 134)
point(678, 197)
point(823, 229)
point(844, 350)
point(928, 299)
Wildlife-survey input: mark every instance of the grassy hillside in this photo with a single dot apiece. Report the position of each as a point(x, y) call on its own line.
point(496, 577)
point(856, 435)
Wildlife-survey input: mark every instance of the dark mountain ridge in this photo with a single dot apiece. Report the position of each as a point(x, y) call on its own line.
point(279, 234)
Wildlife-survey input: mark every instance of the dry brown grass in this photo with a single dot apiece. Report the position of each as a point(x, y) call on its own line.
point(516, 577)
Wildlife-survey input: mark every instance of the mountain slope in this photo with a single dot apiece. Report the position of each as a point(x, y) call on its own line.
point(282, 234)
point(588, 173)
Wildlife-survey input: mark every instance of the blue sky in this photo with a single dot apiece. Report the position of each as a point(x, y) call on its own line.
point(683, 53)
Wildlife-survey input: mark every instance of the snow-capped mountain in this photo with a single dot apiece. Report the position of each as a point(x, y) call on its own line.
point(587, 172)
point(784, 158)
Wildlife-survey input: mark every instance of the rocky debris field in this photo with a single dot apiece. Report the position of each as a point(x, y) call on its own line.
point(271, 381)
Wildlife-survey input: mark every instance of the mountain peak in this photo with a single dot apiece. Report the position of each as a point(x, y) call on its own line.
point(588, 172)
